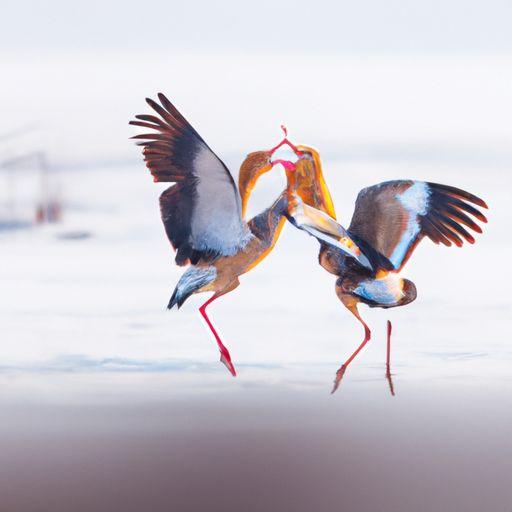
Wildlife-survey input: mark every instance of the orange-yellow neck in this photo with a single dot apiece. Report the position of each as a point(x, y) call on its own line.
point(310, 184)
point(264, 253)
point(252, 168)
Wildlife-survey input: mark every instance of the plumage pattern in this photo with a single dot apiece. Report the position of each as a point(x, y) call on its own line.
point(192, 280)
point(386, 291)
point(203, 215)
point(389, 220)
point(394, 216)
point(201, 212)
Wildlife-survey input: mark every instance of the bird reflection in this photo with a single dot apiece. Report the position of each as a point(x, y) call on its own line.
point(389, 378)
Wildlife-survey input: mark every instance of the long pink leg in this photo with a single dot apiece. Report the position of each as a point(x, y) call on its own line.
point(388, 357)
point(224, 352)
point(367, 335)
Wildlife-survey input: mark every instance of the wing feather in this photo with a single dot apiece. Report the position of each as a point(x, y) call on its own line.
point(201, 212)
point(393, 217)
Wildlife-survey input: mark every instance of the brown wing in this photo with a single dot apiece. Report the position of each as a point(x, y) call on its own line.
point(393, 217)
point(202, 212)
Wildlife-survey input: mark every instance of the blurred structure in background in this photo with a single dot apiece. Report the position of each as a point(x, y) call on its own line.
point(30, 191)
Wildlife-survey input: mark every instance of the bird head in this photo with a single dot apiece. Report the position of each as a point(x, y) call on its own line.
point(305, 178)
point(254, 165)
point(258, 163)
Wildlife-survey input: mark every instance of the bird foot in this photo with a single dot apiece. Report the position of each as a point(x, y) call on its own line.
point(389, 378)
point(226, 360)
point(339, 376)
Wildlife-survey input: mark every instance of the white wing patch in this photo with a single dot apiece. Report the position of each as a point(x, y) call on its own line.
point(216, 219)
point(415, 198)
point(415, 202)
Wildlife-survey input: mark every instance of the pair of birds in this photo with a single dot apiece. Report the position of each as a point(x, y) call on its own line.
point(204, 215)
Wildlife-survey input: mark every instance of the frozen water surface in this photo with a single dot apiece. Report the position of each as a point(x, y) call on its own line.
point(111, 402)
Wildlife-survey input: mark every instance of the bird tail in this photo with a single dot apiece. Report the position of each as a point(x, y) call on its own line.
point(191, 282)
point(174, 300)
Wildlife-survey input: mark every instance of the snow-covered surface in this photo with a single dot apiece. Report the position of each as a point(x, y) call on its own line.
point(83, 317)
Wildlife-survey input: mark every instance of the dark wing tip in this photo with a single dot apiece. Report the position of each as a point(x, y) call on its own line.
point(163, 98)
point(150, 136)
point(459, 193)
point(173, 300)
point(449, 212)
point(153, 104)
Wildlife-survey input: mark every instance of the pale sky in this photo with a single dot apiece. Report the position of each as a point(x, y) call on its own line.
point(291, 25)
point(415, 76)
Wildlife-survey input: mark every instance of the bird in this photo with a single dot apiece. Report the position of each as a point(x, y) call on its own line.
point(203, 212)
point(310, 206)
point(389, 221)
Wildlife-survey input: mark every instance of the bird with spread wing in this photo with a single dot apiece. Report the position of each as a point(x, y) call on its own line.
point(203, 212)
point(389, 221)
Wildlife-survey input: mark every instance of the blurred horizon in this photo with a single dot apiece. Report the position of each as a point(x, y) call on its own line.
point(355, 79)
point(110, 401)
point(357, 107)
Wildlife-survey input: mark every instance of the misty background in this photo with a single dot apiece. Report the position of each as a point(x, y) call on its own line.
point(354, 78)
point(110, 402)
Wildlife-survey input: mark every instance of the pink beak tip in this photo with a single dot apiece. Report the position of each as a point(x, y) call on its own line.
point(289, 166)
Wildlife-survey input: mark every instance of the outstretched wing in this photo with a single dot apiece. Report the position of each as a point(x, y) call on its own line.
point(394, 216)
point(201, 212)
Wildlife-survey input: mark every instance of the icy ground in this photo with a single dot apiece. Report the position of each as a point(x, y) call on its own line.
point(72, 308)
point(108, 400)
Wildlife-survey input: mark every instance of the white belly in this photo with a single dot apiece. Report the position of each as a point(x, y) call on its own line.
point(387, 290)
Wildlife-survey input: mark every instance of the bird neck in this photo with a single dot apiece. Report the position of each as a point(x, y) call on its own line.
point(291, 183)
point(310, 184)
point(252, 168)
point(267, 226)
